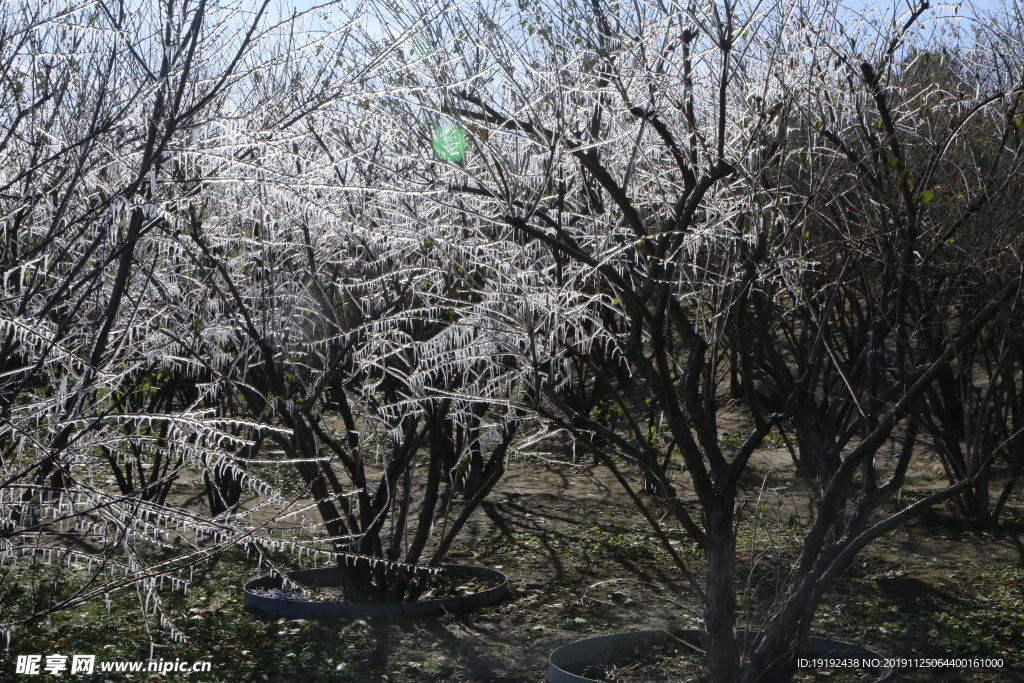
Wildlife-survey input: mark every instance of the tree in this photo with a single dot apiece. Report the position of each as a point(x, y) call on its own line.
point(649, 192)
point(432, 238)
point(112, 127)
point(913, 281)
point(211, 291)
point(330, 309)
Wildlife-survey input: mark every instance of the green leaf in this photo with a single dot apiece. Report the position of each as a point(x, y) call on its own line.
point(879, 124)
point(926, 196)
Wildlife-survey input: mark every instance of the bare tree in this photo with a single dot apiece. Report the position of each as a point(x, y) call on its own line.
point(415, 243)
point(651, 192)
point(115, 122)
point(912, 286)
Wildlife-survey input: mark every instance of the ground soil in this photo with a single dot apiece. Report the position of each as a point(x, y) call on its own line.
point(583, 562)
point(438, 586)
point(536, 529)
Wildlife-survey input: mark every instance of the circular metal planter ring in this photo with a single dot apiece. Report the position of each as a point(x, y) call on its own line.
point(331, 576)
point(616, 645)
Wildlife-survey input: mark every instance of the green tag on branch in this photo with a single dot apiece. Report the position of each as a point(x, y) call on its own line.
point(449, 143)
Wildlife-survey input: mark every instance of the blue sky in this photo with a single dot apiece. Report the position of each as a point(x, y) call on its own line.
point(962, 9)
point(857, 5)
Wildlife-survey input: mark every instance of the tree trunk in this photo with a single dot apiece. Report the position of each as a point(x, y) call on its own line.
point(723, 651)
